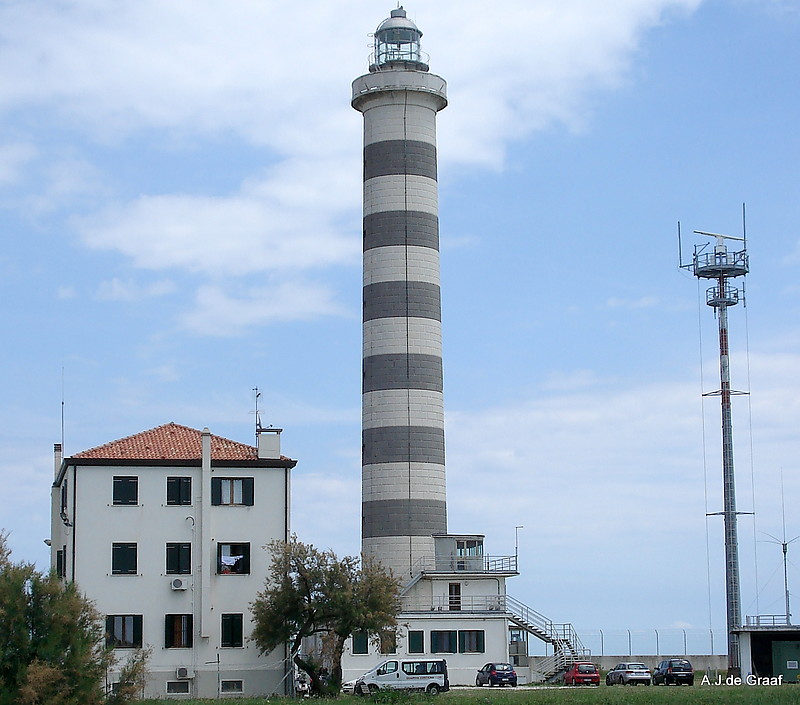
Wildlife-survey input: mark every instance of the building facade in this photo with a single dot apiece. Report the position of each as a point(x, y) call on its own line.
point(166, 531)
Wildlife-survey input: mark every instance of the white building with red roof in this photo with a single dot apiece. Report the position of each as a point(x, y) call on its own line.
point(166, 531)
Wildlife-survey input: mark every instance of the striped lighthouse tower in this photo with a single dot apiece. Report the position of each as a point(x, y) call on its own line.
point(403, 469)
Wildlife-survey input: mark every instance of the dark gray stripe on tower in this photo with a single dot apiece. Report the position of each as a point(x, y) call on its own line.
point(403, 444)
point(413, 228)
point(402, 298)
point(402, 371)
point(403, 517)
point(392, 157)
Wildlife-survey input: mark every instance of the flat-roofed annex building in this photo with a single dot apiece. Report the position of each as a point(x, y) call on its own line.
point(165, 531)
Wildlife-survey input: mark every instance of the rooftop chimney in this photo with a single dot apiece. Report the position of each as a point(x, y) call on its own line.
point(269, 443)
point(57, 453)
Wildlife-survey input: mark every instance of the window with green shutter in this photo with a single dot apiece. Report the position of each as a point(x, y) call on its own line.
point(179, 558)
point(179, 491)
point(416, 642)
point(360, 643)
point(178, 632)
point(233, 559)
point(471, 641)
point(123, 559)
point(232, 491)
point(126, 490)
point(124, 631)
point(232, 630)
point(444, 642)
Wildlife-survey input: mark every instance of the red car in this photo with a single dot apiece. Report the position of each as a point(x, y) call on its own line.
point(582, 673)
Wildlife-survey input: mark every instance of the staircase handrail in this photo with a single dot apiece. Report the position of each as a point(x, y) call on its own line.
point(530, 616)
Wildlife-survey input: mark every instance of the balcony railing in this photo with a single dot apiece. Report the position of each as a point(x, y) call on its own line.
point(466, 564)
point(445, 603)
point(768, 620)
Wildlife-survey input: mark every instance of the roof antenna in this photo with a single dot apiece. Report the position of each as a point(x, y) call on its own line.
point(259, 427)
point(784, 544)
point(62, 408)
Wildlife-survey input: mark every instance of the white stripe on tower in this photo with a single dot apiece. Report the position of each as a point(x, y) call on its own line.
point(403, 468)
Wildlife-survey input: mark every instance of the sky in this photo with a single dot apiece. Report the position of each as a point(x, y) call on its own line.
point(180, 206)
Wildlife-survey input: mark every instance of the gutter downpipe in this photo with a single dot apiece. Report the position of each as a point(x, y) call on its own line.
point(205, 535)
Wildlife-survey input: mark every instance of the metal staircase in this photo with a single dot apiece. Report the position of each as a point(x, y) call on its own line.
point(567, 646)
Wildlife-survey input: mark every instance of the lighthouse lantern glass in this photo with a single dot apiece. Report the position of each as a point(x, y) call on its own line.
point(397, 44)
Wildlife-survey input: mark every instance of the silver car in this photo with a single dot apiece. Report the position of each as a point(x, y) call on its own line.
point(629, 673)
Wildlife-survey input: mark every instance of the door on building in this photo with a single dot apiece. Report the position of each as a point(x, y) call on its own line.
point(454, 594)
point(786, 660)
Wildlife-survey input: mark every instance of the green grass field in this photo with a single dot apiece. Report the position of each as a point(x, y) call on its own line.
point(641, 695)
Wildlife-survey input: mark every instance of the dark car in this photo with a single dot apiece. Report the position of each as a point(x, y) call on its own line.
point(628, 673)
point(582, 672)
point(497, 674)
point(674, 671)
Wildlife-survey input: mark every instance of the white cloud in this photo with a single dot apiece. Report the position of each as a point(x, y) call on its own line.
point(66, 292)
point(277, 75)
point(530, 66)
point(127, 290)
point(572, 381)
point(625, 446)
point(254, 67)
point(215, 312)
point(269, 225)
point(13, 157)
point(587, 471)
point(643, 302)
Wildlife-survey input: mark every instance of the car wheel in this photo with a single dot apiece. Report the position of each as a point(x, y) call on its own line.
point(373, 688)
point(608, 681)
point(432, 689)
point(477, 682)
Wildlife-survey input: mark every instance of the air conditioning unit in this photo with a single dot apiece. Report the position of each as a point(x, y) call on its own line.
point(179, 583)
point(184, 672)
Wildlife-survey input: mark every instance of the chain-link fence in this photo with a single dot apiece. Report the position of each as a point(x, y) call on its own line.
point(646, 642)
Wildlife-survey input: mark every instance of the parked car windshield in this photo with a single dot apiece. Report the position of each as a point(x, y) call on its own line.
point(502, 667)
point(586, 668)
point(632, 666)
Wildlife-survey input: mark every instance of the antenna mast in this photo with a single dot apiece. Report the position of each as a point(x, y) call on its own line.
point(256, 395)
point(784, 544)
point(722, 265)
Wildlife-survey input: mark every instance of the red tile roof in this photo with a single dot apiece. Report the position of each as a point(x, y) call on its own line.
point(169, 442)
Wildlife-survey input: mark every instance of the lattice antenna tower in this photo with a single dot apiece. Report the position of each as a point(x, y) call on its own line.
point(722, 265)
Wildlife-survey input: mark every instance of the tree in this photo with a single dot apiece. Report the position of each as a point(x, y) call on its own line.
point(51, 639)
point(311, 592)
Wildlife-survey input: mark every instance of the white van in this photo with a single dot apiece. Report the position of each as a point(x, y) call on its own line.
point(429, 675)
